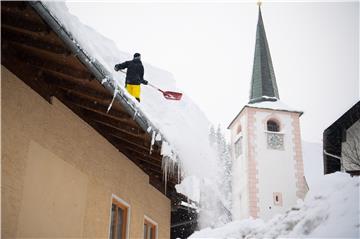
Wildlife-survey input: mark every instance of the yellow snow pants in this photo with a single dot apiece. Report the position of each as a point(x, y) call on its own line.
point(134, 90)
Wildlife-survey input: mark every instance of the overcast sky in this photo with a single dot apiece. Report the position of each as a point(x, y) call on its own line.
point(209, 48)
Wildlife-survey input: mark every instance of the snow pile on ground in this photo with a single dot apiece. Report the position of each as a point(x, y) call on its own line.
point(182, 123)
point(330, 210)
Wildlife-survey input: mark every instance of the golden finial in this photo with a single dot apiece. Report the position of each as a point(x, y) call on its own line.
point(259, 3)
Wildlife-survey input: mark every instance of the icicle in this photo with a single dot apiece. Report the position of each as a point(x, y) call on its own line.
point(178, 171)
point(104, 80)
point(112, 101)
point(149, 129)
point(169, 164)
point(158, 137)
point(152, 141)
point(135, 113)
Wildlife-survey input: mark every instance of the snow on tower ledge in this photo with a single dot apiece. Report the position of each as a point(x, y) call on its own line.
point(271, 105)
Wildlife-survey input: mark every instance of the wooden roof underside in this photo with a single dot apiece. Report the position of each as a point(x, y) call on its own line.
point(34, 53)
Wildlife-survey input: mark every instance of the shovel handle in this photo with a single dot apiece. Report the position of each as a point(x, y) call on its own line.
point(155, 87)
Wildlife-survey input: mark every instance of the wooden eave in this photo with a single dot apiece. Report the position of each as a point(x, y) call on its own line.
point(34, 53)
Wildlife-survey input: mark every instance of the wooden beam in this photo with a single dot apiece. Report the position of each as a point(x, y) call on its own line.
point(27, 74)
point(155, 156)
point(96, 106)
point(79, 87)
point(25, 54)
point(135, 145)
point(20, 21)
point(21, 5)
point(32, 41)
point(98, 112)
point(155, 165)
point(117, 133)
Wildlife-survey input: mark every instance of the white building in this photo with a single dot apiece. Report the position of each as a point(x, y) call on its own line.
point(268, 172)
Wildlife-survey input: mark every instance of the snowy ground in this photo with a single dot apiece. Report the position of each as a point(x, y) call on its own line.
point(330, 210)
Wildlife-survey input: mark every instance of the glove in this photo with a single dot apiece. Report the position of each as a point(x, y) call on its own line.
point(116, 67)
point(145, 82)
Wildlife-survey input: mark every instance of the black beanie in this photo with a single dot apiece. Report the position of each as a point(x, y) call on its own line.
point(137, 55)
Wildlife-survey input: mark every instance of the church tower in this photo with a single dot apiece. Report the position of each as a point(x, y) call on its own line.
point(268, 172)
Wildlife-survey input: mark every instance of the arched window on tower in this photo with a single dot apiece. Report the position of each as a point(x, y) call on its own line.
point(273, 126)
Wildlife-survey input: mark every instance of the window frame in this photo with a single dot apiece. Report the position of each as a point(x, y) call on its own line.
point(153, 224)
point(120, 203)
point(278, 199)
point(276, 122)
point(238, 142)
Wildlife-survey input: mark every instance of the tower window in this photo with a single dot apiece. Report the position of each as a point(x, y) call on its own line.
point(278, 201)
point(273, 126)
point(238, 130)
point(238, 147)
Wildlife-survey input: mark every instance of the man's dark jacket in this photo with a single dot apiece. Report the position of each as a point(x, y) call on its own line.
point(134, 73)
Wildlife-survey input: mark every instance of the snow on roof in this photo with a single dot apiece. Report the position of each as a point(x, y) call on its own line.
point(182, 123)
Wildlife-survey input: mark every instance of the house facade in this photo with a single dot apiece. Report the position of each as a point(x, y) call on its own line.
point(71, 168)
point(268, 173)
point(62, 179)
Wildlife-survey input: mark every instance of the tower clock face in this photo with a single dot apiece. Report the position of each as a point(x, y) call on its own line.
point(275, 141)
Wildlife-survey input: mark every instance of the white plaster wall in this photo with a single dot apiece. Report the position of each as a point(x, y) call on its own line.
point(276, 168)
point(350, 149)
point(239, 171)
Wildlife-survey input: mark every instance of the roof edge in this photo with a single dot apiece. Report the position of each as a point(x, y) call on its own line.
point(95, 67)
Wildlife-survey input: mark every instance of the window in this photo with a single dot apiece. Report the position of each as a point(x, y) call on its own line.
point(150, 228)
point(118, 223)
point(238, 129)
point(277, 199)
point(273, 126)
point(238, 147)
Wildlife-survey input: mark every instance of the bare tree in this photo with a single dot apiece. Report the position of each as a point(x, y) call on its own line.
point(351, 148)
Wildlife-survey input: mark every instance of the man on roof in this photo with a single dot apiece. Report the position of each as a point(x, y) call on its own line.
point(134, 75)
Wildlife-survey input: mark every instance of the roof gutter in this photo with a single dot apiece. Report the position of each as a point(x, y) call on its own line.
point(96, 68)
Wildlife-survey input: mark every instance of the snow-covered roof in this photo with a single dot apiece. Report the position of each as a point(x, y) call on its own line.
point(180, 125)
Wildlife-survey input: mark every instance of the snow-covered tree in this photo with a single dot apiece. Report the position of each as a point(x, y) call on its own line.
point(215, 199)
point(225, 164)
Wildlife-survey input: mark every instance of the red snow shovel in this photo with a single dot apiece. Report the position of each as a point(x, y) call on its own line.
point(169, 95)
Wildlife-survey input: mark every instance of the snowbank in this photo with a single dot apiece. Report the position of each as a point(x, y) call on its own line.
point(330, 210)
point(182, 123)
